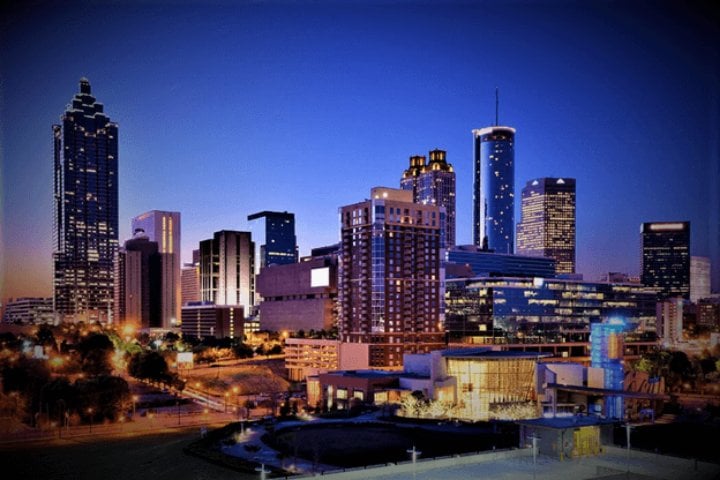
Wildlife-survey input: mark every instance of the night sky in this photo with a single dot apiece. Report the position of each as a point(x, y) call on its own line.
point(229, 108)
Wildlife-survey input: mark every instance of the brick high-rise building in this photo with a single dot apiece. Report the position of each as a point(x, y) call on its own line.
point(390, 281)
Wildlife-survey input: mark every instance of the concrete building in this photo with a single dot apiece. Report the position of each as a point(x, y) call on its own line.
point(670, 321)
point(666, 258)
point(699, 278)
point(390, 276)
point(433, 183)
point(138, 283)
point(708, 312)
point(85, 203)
point(29, 310)
point(299, 296)
point(306, 357)
point(227, 269)
point(203, 319)
point(547, 225)
point(164, 228)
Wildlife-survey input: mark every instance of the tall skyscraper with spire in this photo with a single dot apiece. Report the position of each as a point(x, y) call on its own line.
point(547, 225)
point(85, 201)
point(494, 188)
point(433, 183)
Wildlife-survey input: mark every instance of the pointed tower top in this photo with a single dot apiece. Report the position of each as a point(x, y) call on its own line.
point(84, 85)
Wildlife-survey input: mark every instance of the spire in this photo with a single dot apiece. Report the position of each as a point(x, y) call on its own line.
point(497, 106)
point(85, 85)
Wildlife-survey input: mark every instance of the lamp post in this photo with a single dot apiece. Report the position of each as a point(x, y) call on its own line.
point(627, 442)
point(134, 399)
point(90, 412)
point(534, 438)
point(226, 397)
point(414, 455)
point(263, 472)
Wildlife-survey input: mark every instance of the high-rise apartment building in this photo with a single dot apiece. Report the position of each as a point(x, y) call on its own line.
point(494, 189)
point(85, 187)
point(227, 269)
point(390, 276)
point(164, 229)
point(547, 225)
point(666, 258)
point(278, 244)
point(138, 283)
point(433, 183)
point(190, 279)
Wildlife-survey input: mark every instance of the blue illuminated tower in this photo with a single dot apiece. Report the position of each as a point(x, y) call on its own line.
point(494, 189)
point(606, 352)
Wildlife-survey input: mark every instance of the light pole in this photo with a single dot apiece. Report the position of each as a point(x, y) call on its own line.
point(90, 412)
point(627, 442)
point(534, 438)
point(263, 472)
point(414, 455)
point(226, 397)
point(134, 399)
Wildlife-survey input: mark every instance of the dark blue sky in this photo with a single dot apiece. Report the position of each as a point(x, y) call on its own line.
point(229, 108)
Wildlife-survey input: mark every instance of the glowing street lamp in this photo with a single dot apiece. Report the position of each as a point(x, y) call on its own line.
point(134, 399)
point(90, 412)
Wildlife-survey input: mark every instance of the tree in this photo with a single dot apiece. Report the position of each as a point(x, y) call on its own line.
point(242, 350)
point(95, 352)
point(45, 337)
point(103, 396)
point(149, 365)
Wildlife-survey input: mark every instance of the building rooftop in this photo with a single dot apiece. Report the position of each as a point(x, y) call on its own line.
point(363, 373)
point(490, 354)
point(567, 422)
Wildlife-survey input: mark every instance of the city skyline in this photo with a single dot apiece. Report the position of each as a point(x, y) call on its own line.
point(292, 99)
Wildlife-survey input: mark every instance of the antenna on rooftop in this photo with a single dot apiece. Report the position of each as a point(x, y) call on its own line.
point(497, 106)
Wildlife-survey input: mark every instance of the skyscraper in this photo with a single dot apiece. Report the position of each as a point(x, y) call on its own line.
point(164, 228)
point(666, 258)
point(494, 189)
point(85, 187)
point(433, 184)
point(390, 276)
point(547, 225)
point(138, 283)
point(279, 244)
point(227, 269)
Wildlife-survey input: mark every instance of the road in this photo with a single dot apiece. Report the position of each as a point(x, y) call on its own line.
point(158, 456)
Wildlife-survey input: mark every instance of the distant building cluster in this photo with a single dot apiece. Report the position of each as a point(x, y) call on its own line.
point(397, 284)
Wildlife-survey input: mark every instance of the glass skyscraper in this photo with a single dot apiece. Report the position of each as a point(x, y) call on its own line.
point(433, 184)
point(666, 258)
point(494, 189)
point(547, 226)
point(85, 201)
point(278, 244)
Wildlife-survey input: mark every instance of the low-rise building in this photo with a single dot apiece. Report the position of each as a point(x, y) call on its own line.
point(205, 319)
point(299, 296)
point(27, 310)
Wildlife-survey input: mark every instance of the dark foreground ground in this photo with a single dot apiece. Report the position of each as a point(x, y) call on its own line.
point(157, 456)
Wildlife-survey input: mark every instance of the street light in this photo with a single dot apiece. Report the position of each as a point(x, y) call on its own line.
point(263, 472)
point(134, 399)
point(90, 412)
point(414, 454)
point(226, 397)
